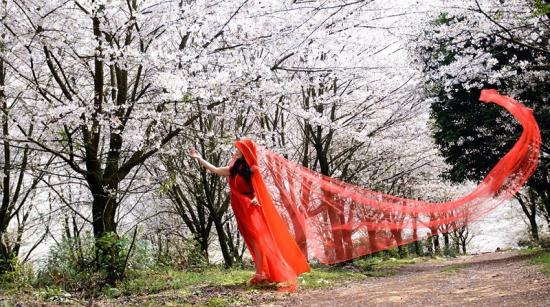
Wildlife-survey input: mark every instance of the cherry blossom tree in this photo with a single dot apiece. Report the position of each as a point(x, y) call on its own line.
point(105, 75)
point(114, 85)
point(488, 45)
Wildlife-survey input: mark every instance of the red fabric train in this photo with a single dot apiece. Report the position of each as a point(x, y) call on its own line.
point(334, 221)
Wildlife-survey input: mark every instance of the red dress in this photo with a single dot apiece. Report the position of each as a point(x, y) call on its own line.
point(270, 263)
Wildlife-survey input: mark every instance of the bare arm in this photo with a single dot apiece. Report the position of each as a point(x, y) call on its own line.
point(220, 171)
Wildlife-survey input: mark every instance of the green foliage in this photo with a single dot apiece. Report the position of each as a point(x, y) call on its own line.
point(530, 251)
point(541, 8)
point(403, 252)
point(70, 264)
point(193, 257)
point(142, 256)
point(368, 264)
point(188, 97)
point(54, 294)
point(111, 292)
point(73, 265)
point(392, 253)
point(442, 19)
point(450, 251)
point(543, 242)
point(21, 277)
point(471, 142)
point(167, 184)
point(110, 252)
point(473, 136)
point(186, 254)
point(7, 261)
point(541, 257)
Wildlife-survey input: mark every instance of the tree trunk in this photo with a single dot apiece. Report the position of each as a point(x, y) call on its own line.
point(340, 238)
point(534, 228)
point(7, 255)
point(397, 235)
point(6, 259)
point(5, 252)
point(430, 246)
point(447, 243)
point(234, 246)
point(103, 213)
point(437, 248)
point(418, 248)
point(109, 254)
point(222, 238)
point(417, 245)
point(529, 207)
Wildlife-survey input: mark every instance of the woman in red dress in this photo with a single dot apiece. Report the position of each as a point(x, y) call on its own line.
point(276, 255)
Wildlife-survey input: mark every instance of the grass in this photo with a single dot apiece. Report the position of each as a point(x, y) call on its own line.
point(321, 277)
point(379, 267)
point(154, 281)
point(530, 251)
point(216, 286)
point(540, 257)
point(455, 268)
point(149, 282)
point(212, 286)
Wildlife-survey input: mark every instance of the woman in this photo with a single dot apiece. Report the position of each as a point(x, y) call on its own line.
point(275, 253)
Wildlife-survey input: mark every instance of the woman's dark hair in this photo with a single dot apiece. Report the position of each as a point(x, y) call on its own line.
point(240, 167)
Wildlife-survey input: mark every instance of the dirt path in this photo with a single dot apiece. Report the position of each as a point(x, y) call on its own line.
point(495, 279)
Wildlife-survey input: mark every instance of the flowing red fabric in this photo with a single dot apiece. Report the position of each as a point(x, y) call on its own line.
point(276, 255)
point(334, 221)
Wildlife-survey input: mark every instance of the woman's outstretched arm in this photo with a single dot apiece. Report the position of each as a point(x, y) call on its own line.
point(220, 171)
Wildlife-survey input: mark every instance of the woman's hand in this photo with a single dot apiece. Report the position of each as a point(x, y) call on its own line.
point(194, 154)
point(220, 171)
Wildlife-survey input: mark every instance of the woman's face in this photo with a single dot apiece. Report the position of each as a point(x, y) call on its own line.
point(237, 154)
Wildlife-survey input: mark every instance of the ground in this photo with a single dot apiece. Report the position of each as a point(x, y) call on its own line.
point(493, 279)
point(507, 278)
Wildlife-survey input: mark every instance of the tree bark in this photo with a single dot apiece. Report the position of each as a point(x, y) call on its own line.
point(446, 241)
point(529, 207)
point(224, 244)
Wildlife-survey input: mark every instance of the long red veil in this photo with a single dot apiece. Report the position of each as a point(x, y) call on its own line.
point(334, 221)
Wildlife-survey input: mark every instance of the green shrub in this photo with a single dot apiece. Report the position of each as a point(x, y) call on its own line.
point(368, 264)
point(183, 254)
point(544, 241)
point(70, 265)
point(22, 276)
point(392, 253)
point(53, 294)
point(84, 264)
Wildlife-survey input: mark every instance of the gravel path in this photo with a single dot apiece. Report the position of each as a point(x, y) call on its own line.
point(494, 279)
